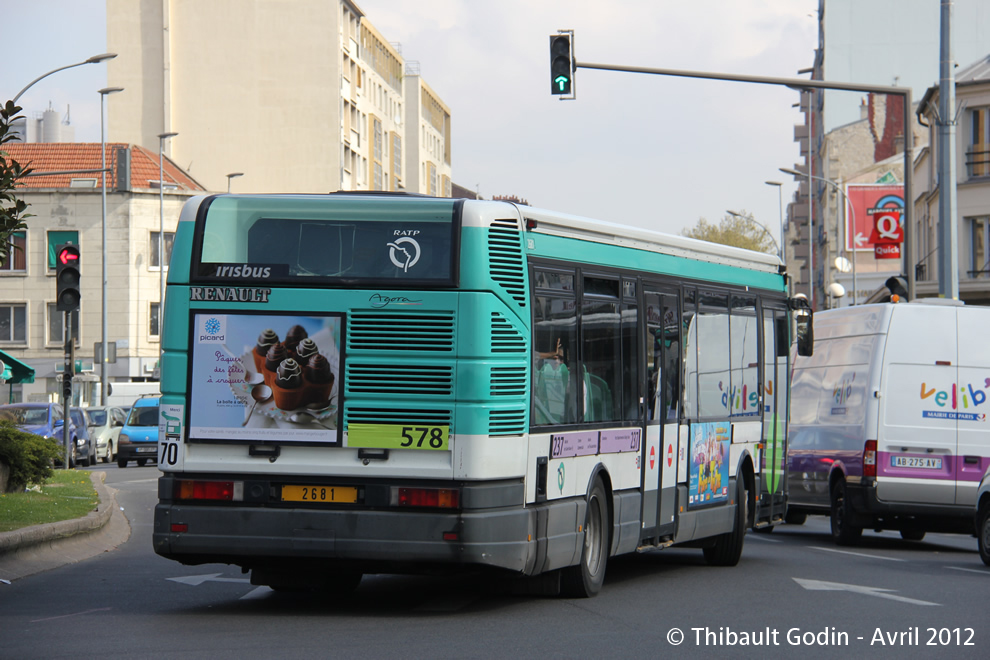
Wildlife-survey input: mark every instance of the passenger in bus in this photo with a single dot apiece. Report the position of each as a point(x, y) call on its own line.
point(552, 380)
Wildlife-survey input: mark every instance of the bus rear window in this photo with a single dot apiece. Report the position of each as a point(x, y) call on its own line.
point(327, 238)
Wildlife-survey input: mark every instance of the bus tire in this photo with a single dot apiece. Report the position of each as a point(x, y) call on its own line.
point(795, 517)
point(843, 532)
point(728, 547)
point(912, 534)
point(585, 579)
point(983, 532)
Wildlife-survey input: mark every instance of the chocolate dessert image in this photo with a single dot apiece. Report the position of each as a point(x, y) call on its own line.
point(306, 349)
point(273, 359)
point(266, 340)
point(319, 381)
point(287, 385)
point(292, 338)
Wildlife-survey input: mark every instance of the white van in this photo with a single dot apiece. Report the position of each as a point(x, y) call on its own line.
point(888, 426)
point(124, 394)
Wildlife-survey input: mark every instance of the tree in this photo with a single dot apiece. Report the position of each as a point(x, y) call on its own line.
point(735, 230)
point(12, 210)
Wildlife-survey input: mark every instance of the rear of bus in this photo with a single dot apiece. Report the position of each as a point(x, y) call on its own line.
point(336, 386)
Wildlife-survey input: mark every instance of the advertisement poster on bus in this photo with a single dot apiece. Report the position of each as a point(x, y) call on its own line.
point(709, 463)
point(265, 378)
point(868, 203)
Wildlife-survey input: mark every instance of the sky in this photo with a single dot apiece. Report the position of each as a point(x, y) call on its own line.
point(651, 151)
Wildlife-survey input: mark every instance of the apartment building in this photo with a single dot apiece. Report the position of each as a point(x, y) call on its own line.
point(972, 147)
point(67, 208)
point(304, 97)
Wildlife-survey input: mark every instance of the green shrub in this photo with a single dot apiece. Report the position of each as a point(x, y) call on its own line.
point(29, 456)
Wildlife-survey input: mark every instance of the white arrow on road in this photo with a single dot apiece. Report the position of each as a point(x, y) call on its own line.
point(819, 585)
point(196, 580)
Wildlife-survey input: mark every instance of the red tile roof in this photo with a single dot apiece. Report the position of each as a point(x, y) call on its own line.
point(64, 156)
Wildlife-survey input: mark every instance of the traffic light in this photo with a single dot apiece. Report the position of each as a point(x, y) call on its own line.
point(561, 64)
point(67, 387)
point(67, 294)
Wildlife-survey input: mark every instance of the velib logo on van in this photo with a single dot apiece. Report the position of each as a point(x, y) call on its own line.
point(212, 330)
point(954, 402)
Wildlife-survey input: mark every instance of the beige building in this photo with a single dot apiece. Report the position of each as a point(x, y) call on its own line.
point(304, 96)
point(67, 208)
point(972, 136)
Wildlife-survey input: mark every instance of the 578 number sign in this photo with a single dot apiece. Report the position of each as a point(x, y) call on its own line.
point(416, 436)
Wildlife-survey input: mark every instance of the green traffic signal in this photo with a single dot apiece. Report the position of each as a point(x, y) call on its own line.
point(561, 64)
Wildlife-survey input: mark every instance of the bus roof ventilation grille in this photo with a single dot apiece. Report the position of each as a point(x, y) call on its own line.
point(507, 422)
point(390, 331)
point(505, 337)
point(406, 379)
point(505, 258)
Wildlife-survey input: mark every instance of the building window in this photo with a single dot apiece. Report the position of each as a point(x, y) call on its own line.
point(169, 238)
point(56, 238)
point(978, 152)
point(153, 328)
point(16, 261)
point(13, 323)
point(56, 325)
point(396, 155)
point(378, 177)
point(377, 139)
point(979, 240)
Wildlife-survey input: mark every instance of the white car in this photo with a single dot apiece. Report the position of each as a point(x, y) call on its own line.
point(105, 425)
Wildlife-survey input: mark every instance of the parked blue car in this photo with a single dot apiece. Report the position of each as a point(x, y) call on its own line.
point(45, 419)
point(138, 440)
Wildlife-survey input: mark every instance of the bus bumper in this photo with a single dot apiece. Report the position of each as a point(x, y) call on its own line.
point(377, 540)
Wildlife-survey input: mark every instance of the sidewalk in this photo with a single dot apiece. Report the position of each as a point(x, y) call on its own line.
point(38, 548)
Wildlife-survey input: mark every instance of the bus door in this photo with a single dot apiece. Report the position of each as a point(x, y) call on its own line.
point(773, 500)
point(663, 394)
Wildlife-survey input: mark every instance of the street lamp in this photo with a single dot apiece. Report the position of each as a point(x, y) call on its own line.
point(103, 156)
point(780, 195)
point(95, 59)
point(232, 175)
point(847, 205)
point(161, 233)
point(749, 218)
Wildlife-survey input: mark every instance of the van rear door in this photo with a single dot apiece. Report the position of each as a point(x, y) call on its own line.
point(973, 387)
point(917, 435)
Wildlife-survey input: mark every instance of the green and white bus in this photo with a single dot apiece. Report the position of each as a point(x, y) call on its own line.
point(363, 383)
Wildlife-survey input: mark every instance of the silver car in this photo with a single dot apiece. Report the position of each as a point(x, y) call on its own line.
point(105, 425)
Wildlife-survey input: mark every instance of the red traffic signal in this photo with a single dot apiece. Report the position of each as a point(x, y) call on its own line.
point(67, 293)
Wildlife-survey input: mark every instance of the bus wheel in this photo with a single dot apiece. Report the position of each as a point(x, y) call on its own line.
point(983, 533)
point(912, 534)
point(843, 533)
point(795, 517)
point(585, 579)
point(728, 547)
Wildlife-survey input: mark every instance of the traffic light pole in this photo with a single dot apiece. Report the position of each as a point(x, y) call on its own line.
point(67, 374)
point(802, 84)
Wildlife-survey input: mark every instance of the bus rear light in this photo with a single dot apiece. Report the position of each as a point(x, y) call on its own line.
point(180, 527)
point(438, 498)
point(451, 536)
point(870, 459)
point(189, 489)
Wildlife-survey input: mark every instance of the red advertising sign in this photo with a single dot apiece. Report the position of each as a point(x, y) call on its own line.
point(888, 251)
point(867, 203)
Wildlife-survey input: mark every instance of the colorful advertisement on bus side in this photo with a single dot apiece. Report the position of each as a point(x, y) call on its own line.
point(709, 463)
point(265, 378)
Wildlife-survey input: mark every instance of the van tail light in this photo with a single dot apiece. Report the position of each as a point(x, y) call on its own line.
point(870, 459)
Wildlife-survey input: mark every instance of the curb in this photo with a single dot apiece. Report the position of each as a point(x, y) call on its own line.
point(37, 534)
point(39, 548)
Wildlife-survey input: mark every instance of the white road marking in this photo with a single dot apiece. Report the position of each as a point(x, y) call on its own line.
point(855, 554)
point(819, 585)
